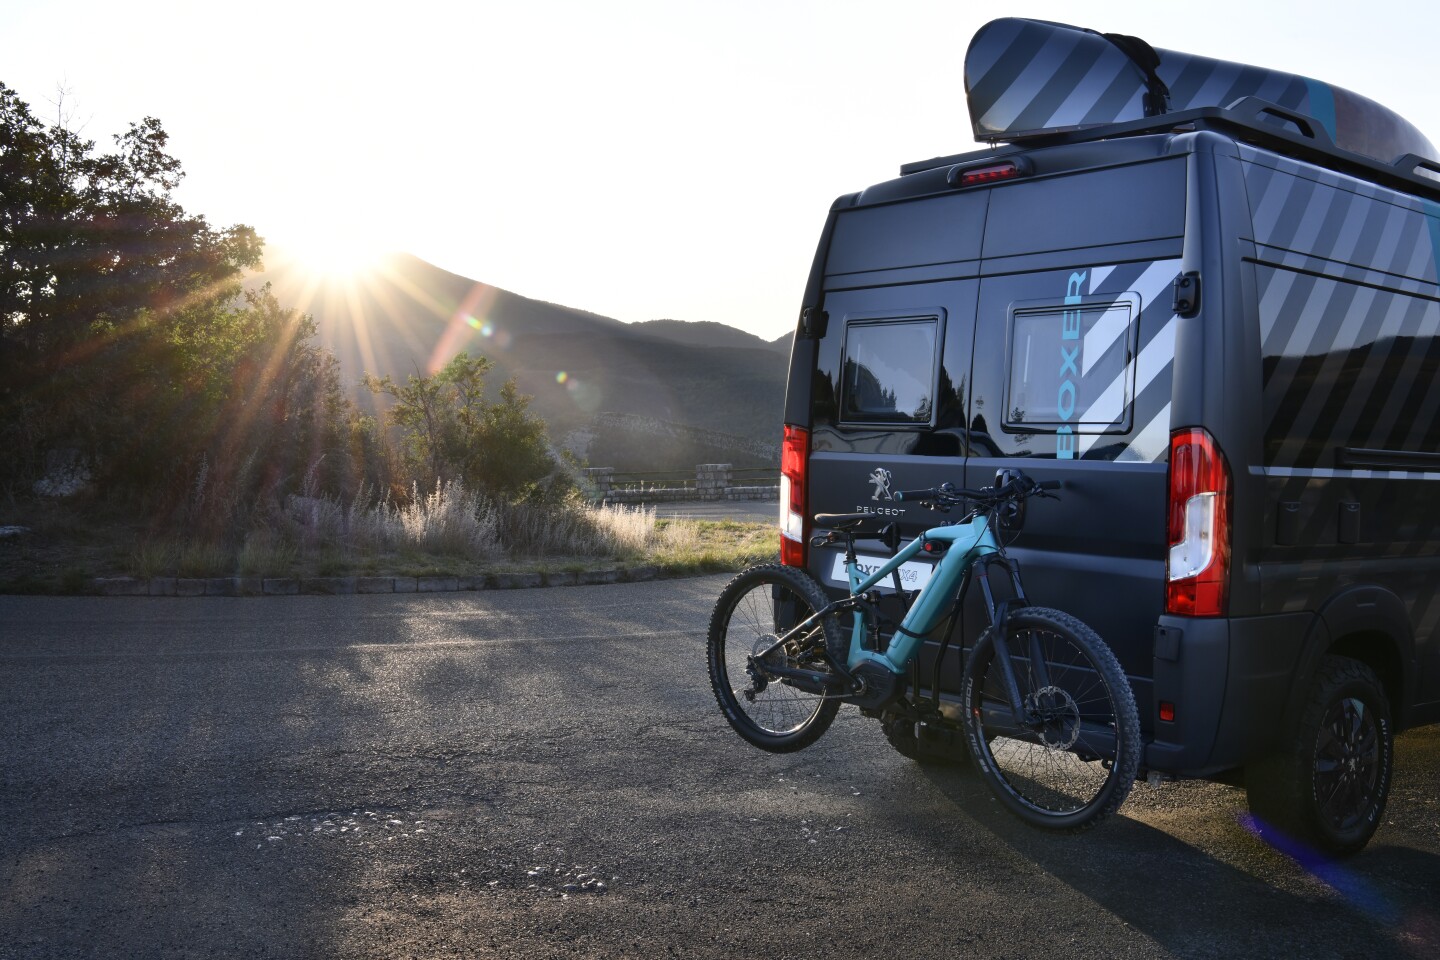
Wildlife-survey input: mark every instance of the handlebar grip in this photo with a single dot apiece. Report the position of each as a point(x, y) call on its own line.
point(1048, 485)
point(902, 495)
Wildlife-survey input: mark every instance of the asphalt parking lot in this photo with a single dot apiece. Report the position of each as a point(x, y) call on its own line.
point(544, 773)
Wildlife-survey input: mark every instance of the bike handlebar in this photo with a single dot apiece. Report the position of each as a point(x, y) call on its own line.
point(948, 494)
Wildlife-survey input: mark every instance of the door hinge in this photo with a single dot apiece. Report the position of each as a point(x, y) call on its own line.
point(1187, 294)
point(813, 322)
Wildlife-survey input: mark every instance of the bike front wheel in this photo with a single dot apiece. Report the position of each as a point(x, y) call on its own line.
point(753, 612)
point(1068, 759)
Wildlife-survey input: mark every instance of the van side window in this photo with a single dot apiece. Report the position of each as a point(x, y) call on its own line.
point(1069, 367)
point(889, 371)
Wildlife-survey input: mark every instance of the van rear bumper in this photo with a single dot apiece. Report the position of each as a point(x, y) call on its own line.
point(1228, 679)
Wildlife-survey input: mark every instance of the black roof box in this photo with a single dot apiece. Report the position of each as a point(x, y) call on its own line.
point(1032, 78)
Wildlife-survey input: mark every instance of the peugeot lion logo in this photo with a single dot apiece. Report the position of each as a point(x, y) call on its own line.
point(881, 479)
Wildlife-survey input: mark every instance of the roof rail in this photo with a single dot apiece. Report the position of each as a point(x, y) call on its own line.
point(1251, 120)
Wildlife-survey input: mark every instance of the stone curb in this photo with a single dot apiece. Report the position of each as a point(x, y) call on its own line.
point(345, 586)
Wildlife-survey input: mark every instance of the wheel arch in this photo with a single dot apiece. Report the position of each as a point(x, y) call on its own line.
point(1366, 623)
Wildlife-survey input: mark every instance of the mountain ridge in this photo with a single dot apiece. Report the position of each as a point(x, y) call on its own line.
point(409, 315)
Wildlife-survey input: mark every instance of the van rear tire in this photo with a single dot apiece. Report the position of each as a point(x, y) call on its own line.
point(1327, 789)
point(901, 735)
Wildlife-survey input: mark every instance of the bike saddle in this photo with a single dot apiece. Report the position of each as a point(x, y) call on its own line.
point(848, 522)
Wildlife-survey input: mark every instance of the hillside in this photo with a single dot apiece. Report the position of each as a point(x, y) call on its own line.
point(593, 378)
point(707, 333)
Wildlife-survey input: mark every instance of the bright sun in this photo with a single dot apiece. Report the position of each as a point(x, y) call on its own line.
point(332, 254)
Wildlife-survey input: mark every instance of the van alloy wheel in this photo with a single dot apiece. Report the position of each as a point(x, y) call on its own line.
point(1347, 763)
point(1327, 785)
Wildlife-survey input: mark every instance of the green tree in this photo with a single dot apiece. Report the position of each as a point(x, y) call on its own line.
point(450, 429)
point(125, 338)
point(108, 289)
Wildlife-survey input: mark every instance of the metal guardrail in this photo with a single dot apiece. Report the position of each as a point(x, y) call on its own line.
point(710, 481)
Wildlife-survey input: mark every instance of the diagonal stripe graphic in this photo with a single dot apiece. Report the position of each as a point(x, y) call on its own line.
point(1077, 104)
point(1030, 83)
point(1150, 286)
point(1156, 357)
point(1083, 60)
point(998, 38)
point(1108, 328)
point(1152, 443)
point(1098, 276)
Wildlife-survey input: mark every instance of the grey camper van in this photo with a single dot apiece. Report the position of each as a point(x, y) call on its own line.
point(1203, 297)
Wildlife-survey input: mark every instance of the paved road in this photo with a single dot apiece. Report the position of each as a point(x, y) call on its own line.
point(386, 776)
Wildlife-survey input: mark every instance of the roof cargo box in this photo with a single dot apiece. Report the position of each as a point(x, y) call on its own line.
point(1032, 78)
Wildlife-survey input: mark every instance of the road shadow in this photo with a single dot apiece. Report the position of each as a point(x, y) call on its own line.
point(1222, 891)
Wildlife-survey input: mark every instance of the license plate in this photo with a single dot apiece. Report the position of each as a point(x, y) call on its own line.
point(913, 574)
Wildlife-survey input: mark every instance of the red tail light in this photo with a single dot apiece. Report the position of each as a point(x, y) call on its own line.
point(794, 454)
point(998, 171)
point(976, 174)
point(1199, 522)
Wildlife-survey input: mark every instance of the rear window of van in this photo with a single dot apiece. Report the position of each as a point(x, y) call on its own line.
point(889, 371)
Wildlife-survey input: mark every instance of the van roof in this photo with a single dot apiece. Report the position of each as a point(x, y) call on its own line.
point(1250, 120)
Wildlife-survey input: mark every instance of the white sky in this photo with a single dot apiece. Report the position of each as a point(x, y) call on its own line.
point(637, 159)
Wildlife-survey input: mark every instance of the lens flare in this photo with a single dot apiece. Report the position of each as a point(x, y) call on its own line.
point(466, 319)
point(561, 377)
point(1357, 891)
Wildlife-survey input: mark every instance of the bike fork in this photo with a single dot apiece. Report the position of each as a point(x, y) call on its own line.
point(999, 627)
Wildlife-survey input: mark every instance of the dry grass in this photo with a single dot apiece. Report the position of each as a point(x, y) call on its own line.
point(452, 521)
point(577, 530)
point(448, 531)
point(448, 520)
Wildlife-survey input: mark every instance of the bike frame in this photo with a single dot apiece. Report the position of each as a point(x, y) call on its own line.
point(968, 542)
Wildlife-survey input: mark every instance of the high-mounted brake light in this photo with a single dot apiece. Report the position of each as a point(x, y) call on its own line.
point(987, 173)
point(1199, 526)
point(794, 454)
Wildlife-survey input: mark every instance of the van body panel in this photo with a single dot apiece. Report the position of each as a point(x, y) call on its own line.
point(933, 230)
point(1349, 325)
point(1195, 680)
point(1091, 208)
point(931, 273)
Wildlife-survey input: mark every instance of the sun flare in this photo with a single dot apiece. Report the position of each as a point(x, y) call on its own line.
point(334, 255)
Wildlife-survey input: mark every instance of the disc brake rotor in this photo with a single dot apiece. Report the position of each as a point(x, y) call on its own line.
point(1057, 717)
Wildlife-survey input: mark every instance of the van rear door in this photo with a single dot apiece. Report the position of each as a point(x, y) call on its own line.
point(892, 371)
point(1074, 350)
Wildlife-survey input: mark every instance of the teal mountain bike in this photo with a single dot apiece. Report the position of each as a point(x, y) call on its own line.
point(1048, 715)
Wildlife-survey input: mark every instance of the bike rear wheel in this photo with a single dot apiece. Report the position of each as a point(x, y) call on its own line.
point(753, 611)
point(1070, 761)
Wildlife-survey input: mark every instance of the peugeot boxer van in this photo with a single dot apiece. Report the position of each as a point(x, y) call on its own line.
point(1203, 297)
